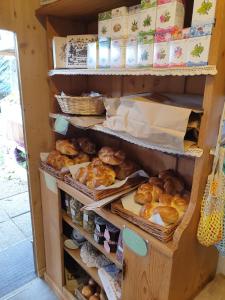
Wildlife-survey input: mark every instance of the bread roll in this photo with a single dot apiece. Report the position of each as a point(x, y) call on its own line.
point(156, 192)
point(58, 161)
point(86, 145)
point(169, 215)
point(66, 148)
point(82, 175)
point(125, 169)
point(179, 203)
point(87, 291)
point(164, 174)
point(146, 211)
point(100, 176)
point(174, 185)
point(111, 157)
point(165, 199)
point(156, 181)
point(81, 158)
point(144, 194)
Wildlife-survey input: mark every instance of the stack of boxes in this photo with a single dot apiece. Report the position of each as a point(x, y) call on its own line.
point(145, 35)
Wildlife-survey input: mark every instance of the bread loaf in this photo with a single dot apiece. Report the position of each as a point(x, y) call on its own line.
point(125, 169)
point(66, 148)
point(111, 157)
point(169, 215)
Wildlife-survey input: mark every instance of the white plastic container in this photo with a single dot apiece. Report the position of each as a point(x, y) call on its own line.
point(161, 55)
point(198, 51)
point(170, 15)
point(119, 25)
point(203, 12)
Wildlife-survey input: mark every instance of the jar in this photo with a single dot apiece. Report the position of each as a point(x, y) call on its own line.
point(100, 224)
point(67, 200)
point(111, 233)
point(89, 221)
point(76, 213)
point(99, 237)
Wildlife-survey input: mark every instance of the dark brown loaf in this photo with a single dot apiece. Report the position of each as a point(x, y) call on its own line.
point(86, 145)
point(125, 169)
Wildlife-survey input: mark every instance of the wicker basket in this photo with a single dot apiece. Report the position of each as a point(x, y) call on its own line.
point(81, 105)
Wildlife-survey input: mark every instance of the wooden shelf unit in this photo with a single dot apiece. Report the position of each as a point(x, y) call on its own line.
point(89, 237)
point(176, 270)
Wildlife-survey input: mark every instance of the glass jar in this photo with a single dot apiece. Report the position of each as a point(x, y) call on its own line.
point(89, 221)
point(67, 200)
point(76, 213)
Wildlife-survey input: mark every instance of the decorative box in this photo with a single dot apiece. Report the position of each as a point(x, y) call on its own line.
point(118, 53)
point(76, 50)
point(198, 51)
point(104, 52)
point(203, 12)
point(170, 15)
point(201, 30)
point(178, 53)
point(160, 2)
point(145, 50)
point(92, 52)
point(186, 33)
point(148, 20)
point(161, 55)
point(148, 3)
point(131, 52)
point(119, 27)
point(167, 35)
point(134, 20)
point(104, 24)
point(59, 52)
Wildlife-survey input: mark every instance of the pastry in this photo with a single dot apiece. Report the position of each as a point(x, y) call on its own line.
point(96, 162)
point(169, 215)
point(125, 169)
point(179, 203)
point(81, 158)
point(87, 291)
point(144, 194)
point(82, 175)
point(156, 181)
point(67, 162)
point(156, 192)
point(165, 199)
point(173, 185)
point(111, 157)
point(164, 174)
point(58, 161)
point(146, 211)
point(66, 148)
point(100, 175)
point(86, 145)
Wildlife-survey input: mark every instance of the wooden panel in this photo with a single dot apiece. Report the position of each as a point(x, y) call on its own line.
point(51, 208)
point(146, 278)
point(71, 8)
point(215, 290)
point(195, 85)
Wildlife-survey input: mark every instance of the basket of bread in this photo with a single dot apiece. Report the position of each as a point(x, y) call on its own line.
point(66, 154)
point(109, 173)
point(86, 104)
point(156, 206)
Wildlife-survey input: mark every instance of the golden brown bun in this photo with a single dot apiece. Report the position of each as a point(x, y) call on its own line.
point(146, 211)
point(156, 192)
point(96, 162)
point(82, 175)
point(177, 183)
point(179, 203)
point(125, 169)
point(111, 157)
point(165, 199)
point(156, 181)
point(100, 175)
point(86, 145)
point(169, 215)
point(58, 161)
point(144, 194)
point(81, 158)
point(66, 148)
point(87, 291)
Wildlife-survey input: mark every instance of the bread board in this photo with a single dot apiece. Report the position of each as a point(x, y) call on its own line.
point(162, 233)
point(50, 170)
point(101, 194)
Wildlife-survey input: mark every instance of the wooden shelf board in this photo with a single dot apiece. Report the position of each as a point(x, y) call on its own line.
point(77, 9)
point(165, 248)
point(93, 272)
point(68, 295)
point(89, 237)
point(179, 71)
point(190, 152)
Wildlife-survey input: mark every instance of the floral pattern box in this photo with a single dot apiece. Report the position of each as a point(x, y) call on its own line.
point(203, 12)
point(134, 23)
point(198, 51)
point(178, 53)
point(104, 24)
point(161, 55)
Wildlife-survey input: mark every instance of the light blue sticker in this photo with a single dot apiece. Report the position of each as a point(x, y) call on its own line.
point(134, 242)
point(61, 125)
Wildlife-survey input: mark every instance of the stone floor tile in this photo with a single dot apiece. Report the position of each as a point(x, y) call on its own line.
point(3, 215)
point(16, 205)
point(23, 222)
point(9, 235)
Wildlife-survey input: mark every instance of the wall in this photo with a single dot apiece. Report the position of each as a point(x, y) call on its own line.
point(19, 16)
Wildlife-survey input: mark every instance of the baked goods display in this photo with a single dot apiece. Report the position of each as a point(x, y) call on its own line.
point(125, 169)
point(111, 157)
point(66, 148)
point(157, 206)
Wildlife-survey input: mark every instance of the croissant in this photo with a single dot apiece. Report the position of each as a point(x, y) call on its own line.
point(66, 148)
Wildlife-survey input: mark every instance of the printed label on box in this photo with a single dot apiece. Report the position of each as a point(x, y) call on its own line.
point(198, 51)
point(134, 20)
point(119, 28)
point(148, 20)
point(104, 28)
point(170, 15)
point(145, 55)
point(201, 30)
point(203, 12)
point(178, 53)
point(161, 55)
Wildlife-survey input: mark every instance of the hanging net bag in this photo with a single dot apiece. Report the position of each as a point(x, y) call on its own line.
point(210, 229)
